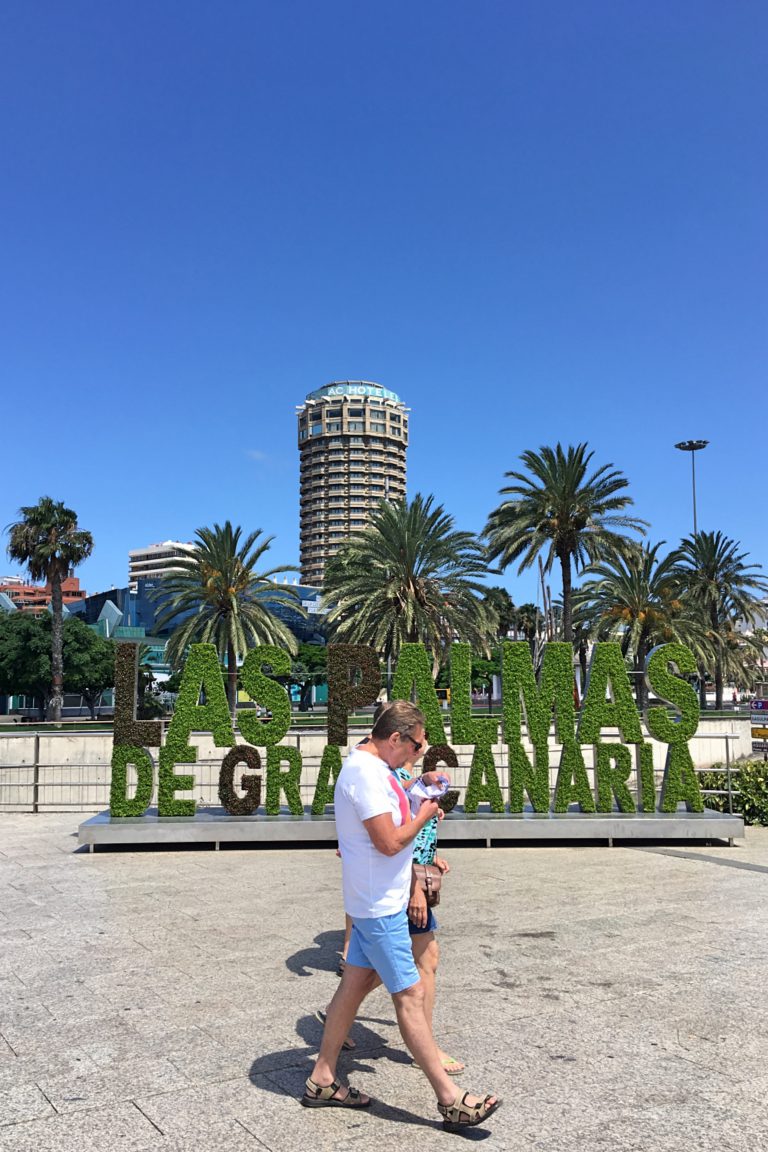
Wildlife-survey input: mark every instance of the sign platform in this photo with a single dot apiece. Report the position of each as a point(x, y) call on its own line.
point(213, 827)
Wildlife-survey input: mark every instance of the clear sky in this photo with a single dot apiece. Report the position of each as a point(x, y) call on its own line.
point(532, 220)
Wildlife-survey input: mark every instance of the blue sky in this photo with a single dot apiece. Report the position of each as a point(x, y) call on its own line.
point(533, 221)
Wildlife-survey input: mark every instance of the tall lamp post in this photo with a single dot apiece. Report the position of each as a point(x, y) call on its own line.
point(693, 446)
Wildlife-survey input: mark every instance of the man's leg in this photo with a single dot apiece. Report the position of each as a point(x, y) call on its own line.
point(355, 985)
point(417, 1034)
point(409, 1006)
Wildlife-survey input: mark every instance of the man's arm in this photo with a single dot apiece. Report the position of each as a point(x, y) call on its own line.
point(388, 839)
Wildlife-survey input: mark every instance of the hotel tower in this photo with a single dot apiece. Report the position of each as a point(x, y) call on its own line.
point(353, 437)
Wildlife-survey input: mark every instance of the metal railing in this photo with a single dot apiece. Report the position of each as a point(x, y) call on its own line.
point(34, 786)
point(29, 785)
point(729, 789)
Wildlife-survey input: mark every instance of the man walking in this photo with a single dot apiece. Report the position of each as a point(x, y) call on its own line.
point(376, 833)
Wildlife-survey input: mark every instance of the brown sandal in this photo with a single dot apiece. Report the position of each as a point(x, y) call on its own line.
point(461, 1115)
point(318, 1096)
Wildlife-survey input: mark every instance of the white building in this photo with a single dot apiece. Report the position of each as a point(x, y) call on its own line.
point(155, 560)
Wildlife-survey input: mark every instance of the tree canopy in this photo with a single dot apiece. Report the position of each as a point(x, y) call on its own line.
point(636, 599)
point(216, 595)
point(409, 577)
point(720, 587)
point(561, 509)
point(25, 658)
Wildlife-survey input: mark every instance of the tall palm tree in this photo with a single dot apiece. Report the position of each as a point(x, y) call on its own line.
point(558, 507)
point(499, 602)
point(527, 621)
point(742, 657)
point(216, 596)
point(635, 599)
point(720, 586)
point(47, 539)
point(409, 577)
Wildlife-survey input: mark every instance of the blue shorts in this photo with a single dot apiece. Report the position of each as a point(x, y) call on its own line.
point(384, 944)
point(430, 926)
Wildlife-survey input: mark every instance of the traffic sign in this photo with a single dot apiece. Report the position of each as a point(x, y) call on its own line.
point(759, 705)
point(759, 746)
point(760, 733)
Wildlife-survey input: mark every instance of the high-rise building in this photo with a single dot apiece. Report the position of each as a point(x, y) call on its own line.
point(353, 437)
point(154, 560)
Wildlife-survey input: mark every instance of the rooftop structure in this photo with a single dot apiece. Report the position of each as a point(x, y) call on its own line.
point(35, 598)
point(155, 560)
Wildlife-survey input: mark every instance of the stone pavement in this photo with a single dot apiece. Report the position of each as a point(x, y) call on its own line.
point(163, 1001)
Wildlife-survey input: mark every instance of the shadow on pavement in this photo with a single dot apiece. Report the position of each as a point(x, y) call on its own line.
point(324, 957)
point(370, 1048)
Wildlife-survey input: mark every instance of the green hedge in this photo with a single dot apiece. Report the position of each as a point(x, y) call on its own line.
point(268, 693)
point(483, 784)
point(330, 766)
point(751, 780)
point(671, 687)
point(128, 731)
point(233, 804)
point(344, 661)
point(608, 699)
point(526, 777)
point(555, 690)
point(680, 783)
point(572, 781)
point(201, 675)
point(414, 671)
point(613, 767)
point(120, 805)
point(483, 731)
point(284, 783)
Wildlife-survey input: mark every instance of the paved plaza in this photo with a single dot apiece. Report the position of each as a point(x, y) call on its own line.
point(149, 1001)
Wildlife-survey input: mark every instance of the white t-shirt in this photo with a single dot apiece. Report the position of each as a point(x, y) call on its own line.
point(374, 884)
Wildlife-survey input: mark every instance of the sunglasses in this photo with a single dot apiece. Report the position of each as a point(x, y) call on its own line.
point(417, 744)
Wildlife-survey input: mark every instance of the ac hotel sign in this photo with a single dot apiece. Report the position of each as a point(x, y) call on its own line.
point(353, 389)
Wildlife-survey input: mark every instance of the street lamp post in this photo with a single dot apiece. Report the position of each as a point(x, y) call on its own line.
point(693, 446)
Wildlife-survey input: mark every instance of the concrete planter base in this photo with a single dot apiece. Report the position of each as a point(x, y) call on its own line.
point(212, 826)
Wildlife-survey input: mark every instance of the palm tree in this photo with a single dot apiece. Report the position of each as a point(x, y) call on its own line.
point(527, 621)
point(635, 599)
point(216, 596)
point(742, 657)
point(745, 658)
point(719, 586)
point(559, 508)
point(409, 577)
point(499, 602)
point(48, 540)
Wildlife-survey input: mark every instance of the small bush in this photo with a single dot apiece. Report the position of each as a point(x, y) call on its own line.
point(749, 780)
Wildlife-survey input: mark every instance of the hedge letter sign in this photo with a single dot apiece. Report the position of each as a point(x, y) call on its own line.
point(529, 709)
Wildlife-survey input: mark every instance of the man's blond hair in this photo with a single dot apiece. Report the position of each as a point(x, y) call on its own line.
point(399, 716)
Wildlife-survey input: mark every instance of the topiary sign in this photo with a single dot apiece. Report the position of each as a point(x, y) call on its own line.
point(529, 707)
